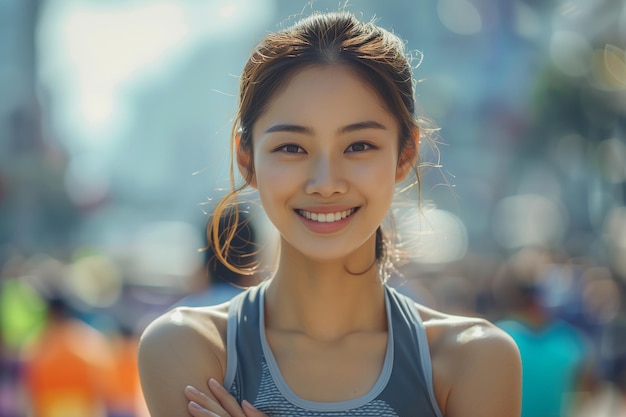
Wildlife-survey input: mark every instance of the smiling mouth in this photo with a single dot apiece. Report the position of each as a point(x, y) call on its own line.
point(326, 217)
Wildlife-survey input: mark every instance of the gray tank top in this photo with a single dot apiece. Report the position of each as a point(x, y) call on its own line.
point(404, 387)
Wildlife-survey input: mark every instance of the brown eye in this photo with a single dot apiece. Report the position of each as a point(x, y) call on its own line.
point(359, 147)
point(290, 148)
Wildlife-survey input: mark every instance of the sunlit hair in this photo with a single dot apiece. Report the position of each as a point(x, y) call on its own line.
point(376, 55)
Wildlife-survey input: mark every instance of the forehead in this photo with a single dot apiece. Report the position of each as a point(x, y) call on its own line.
point(326, 95)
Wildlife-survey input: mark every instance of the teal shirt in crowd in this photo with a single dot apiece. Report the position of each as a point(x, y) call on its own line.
point(552, 358)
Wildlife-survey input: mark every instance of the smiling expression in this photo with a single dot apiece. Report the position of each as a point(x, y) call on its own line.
point(326, 162)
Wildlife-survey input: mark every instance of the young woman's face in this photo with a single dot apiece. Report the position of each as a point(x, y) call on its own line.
point(326, 162)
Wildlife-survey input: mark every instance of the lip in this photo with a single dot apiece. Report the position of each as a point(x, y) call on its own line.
point(326, 227)
point(327, 209)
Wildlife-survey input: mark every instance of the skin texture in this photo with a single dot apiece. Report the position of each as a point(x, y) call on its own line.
point(326, 143)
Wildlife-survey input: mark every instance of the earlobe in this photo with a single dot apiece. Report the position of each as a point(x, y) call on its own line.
point(244, 163)
point(409, 157)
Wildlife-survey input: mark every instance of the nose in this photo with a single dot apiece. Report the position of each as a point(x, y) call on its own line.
point(326, 177)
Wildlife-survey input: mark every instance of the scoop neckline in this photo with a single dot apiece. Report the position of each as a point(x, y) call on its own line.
point(292, 397)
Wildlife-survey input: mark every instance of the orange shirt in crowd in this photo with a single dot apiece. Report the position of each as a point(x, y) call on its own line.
point(124, 390)
point(66, 371)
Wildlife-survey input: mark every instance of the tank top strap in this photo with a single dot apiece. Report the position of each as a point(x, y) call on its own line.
point(413, 372)
point(243, 345)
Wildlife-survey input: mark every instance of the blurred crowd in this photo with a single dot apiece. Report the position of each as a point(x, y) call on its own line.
point(58, 357)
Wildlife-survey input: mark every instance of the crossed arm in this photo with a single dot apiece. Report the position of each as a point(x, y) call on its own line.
point(217, 402)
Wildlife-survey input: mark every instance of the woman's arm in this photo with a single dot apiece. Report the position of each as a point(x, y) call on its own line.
point(218, 403)
point(183, 347)
point(485, 376)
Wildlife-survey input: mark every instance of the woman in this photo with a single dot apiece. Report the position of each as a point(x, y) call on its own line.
point(325, 133)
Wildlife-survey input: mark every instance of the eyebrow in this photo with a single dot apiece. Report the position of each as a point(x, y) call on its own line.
point(289, 128)
point(353, 127)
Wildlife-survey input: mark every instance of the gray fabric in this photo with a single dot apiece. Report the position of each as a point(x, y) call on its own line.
point(403, 389)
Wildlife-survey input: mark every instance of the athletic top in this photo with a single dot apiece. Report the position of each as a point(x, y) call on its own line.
point(404, 387)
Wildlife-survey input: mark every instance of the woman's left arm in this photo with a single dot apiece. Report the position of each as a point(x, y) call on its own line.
point(488, 377)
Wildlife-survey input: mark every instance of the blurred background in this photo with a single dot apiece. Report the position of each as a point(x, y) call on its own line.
point(114, 125)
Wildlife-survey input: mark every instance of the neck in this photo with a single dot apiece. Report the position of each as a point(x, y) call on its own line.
point(325, 299)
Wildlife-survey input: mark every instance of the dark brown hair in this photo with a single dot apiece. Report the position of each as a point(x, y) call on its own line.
point(339, 38)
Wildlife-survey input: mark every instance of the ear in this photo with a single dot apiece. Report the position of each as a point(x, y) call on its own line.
point(244, 162)
point(409, 157)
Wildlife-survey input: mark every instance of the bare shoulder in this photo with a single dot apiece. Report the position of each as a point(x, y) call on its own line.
point(184, 346)
point(463, 332)
point(476, 366)
point(199, 323)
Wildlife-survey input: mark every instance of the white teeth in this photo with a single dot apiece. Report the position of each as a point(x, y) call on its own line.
point(326, 217)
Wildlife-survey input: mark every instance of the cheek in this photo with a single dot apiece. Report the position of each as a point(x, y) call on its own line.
point(379, 173)
point(274, 181)
point(274, 175)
